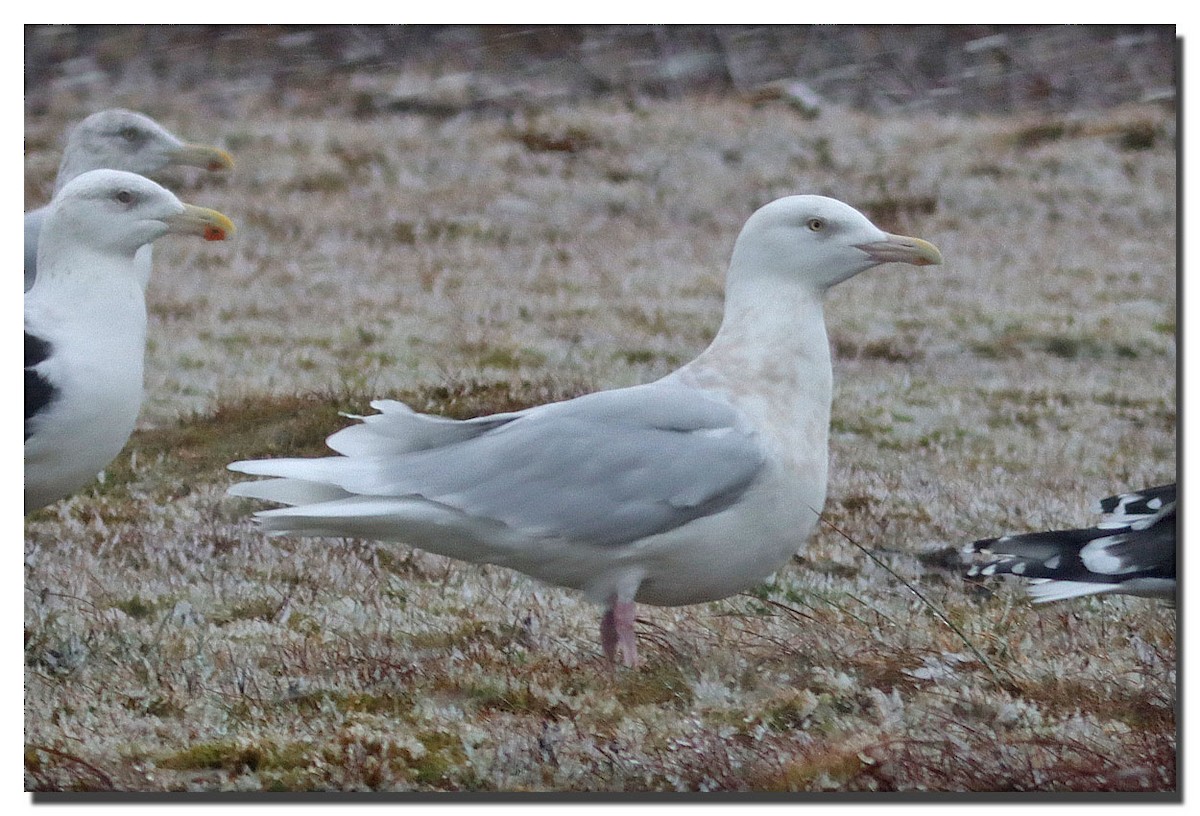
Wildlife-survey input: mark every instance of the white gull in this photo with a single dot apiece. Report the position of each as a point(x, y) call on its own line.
point(119, 139)
point(85, 324)
point(688, 489)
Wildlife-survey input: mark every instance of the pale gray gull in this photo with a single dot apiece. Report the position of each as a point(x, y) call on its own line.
point(85, 324)
point(119, 139)
point(688, 489)
point(1130, 552)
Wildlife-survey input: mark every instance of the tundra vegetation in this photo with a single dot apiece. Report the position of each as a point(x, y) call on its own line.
point(468, 264)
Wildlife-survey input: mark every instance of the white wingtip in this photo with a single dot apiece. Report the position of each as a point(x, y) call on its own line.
point(1047, 590)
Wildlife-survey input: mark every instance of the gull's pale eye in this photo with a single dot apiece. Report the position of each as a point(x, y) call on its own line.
point(815, 224)
point(124, 197)
point(129, 134)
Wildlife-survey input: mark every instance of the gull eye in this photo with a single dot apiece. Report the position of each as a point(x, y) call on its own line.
point(129, 134)
point(815, 224)
point(124, 197)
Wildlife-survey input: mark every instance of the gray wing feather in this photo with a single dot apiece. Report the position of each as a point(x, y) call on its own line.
point(606, 469)
point(399, 429)
point(33, 228)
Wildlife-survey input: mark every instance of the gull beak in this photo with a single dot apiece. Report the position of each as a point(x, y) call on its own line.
point(208, 224)
point(902, 249)
point(197, 155)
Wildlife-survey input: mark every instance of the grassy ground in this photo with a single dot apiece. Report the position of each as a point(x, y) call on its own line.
point(471, 265)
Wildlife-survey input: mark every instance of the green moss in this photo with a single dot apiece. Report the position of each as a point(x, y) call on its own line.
point(1067, 348)
point(572, 139)
point(513, 700)
point(263, 608)
point(292, 780)
point(890, 207)
point(822, 770)
point(289, 755)
point(330, 181)
point(988, 170)
point(232, 756)
point(791, 714)
point(460, 229)
point(472, 398)
point(136, 607)
point(33, 760)
point(941, 437)
point(870, 427)
point(164, 708)
point(1064, 696)
point(636, 356)
point(822, 148)
point(1138, 136)
point(891, 349)
point(1016, 342)
point(395, 706)
point(656, 684)
point(304, 624)
point(511, 359)
point(825, 566)
point(655, 321)
point(1042, 133)
point(398, 561)
point(464, 636)
point(444, 757)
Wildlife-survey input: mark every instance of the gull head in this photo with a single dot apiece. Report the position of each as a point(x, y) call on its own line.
point(819, 242)
point(112, 211)
point(124, 140)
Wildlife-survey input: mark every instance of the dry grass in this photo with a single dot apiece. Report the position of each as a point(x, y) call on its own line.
point(470, 265)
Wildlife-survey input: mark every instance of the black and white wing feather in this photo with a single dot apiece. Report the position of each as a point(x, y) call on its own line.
point(39, 391)
point(1131, 551)
point(1142, 503)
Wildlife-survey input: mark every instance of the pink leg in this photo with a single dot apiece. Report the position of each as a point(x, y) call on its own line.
point(616, 632)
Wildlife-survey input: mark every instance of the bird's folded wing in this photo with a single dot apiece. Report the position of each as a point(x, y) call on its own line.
point(33, 229)
point(399, 429)
point(1140, 503)
point(605, 469)
point(1091, 555)
point(38, 390)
